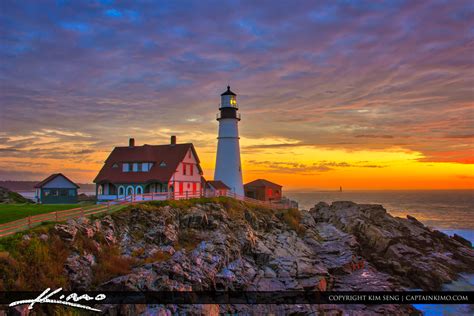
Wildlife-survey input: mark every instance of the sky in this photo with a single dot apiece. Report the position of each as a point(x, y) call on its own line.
point(363, 95)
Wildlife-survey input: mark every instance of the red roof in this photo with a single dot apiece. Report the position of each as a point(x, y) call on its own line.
point(262, 183)
point(50, 178)
point(218, 185)
point(171, 155)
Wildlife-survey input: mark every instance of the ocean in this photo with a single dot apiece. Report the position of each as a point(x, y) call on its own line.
point(444, 209)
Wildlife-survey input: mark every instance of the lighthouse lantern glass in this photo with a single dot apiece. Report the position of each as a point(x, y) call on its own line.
point(229, 101)
point(233, 101)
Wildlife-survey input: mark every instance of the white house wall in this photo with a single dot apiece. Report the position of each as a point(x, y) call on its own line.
point(188, 178)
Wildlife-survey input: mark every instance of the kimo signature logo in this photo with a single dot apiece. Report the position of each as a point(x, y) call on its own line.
point(71, 300)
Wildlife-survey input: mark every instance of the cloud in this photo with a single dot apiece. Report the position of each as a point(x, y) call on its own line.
point(19, 174)
point(337, 75)
point(304, 168)
point(373, 136)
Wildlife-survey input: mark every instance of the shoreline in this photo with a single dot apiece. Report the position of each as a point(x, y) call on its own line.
point(227, 244)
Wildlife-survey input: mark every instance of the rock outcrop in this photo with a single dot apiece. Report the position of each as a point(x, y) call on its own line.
point(229, 245)
point(418, 256)
point(10, 197)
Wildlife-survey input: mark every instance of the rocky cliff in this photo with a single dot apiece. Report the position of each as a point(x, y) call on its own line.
point(226, 244)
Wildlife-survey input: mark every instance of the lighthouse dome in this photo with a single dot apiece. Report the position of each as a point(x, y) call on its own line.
point(228, 92)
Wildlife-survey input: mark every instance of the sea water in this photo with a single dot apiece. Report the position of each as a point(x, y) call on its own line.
point(450, 211)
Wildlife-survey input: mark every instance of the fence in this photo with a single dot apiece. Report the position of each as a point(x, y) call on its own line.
point(162, 196)
point(31, 221)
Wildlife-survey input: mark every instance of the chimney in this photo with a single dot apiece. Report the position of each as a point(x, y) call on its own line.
point(131, 142)
point(173, 140)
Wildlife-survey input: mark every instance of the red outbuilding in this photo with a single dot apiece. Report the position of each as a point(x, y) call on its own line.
point(263, 190)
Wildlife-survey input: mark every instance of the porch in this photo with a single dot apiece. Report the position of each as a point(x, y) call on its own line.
point(122, 191)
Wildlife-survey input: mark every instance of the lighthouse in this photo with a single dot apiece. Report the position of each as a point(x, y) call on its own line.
point(228, 167)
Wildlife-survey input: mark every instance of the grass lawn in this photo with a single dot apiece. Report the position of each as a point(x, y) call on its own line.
point(12, 212)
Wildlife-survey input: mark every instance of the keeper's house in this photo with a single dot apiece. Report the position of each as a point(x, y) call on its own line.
point(135, 170)
point(56, 189)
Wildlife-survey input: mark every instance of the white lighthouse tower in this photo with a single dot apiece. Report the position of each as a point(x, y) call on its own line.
point(228, 167)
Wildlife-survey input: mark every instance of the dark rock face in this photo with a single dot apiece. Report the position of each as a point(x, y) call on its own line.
point(418, 256)
point(343, 246)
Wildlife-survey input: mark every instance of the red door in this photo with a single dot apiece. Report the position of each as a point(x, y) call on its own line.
point(181, 188)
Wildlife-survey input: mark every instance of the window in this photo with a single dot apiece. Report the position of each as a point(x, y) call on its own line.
point(184, 168)
point(63, 192)
point(139, 166)
point(189, 185)
point(194, 187)
point(47, 192)
point(162, 164)
point(126, 167)
point(181, 187)
point(115, 165)
point(54, 192)
point(72, 192)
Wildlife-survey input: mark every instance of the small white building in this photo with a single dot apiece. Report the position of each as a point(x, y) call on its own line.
point(56, 189)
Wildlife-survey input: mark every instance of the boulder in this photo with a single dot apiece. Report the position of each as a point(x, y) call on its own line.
point(66, 231)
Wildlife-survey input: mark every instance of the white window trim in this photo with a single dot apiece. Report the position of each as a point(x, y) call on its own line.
point(130, 187)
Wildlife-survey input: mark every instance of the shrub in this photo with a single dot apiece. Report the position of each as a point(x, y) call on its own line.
point(110, 264)
point(85, 244)
point(158, 257)
point(292, 218)
point(37, 264)
point(138, 252)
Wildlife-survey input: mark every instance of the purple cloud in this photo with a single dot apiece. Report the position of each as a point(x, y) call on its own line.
point(332, 74)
